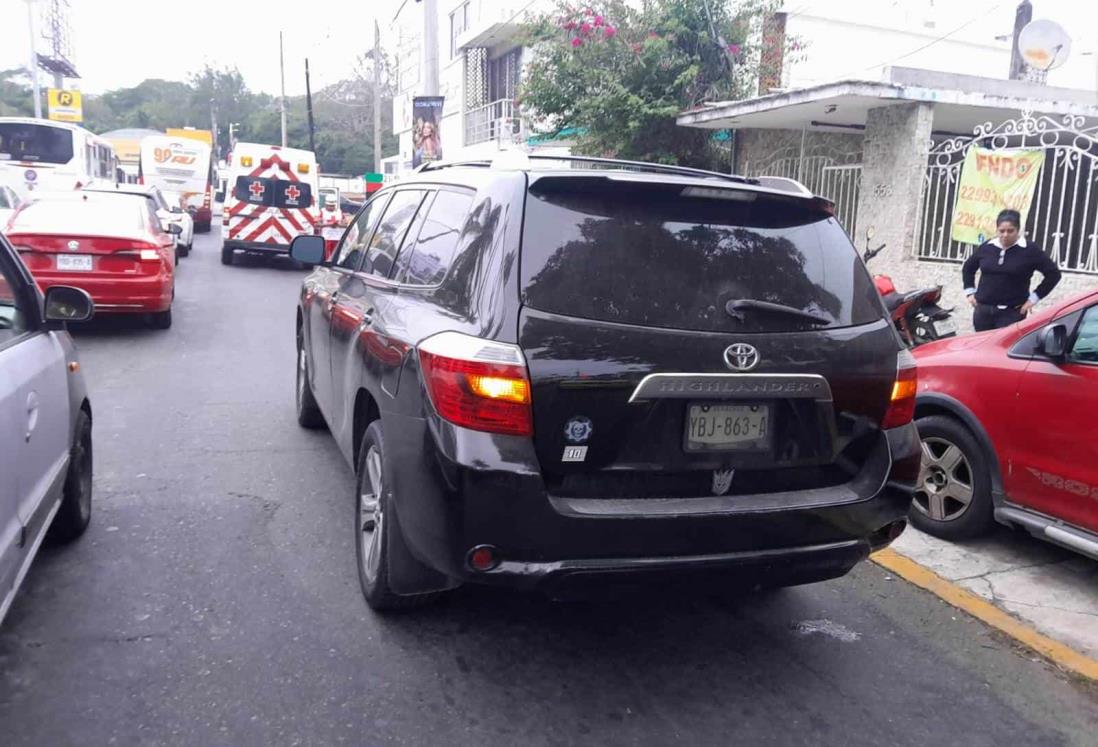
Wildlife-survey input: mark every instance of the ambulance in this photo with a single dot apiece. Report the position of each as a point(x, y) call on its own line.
point(271, 196)
point(180, 165)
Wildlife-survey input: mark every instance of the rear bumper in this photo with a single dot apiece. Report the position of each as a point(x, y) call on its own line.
point(448, 503)
point(140, 294)
point(257, 247)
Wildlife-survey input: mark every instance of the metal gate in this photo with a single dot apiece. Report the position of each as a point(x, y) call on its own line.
point(1063, 218)
point(825, 171)
point(841, 185)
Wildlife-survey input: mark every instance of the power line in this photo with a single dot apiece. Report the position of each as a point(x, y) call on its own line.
point(930, 43)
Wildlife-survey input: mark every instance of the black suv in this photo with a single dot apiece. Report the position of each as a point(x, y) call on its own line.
point(562, 373)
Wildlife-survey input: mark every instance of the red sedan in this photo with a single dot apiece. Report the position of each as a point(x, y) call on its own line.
point(110, 245)
point(1007, 420)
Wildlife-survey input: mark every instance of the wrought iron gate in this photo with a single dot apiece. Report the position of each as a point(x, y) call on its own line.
point(825, 171)
point(1063, 218)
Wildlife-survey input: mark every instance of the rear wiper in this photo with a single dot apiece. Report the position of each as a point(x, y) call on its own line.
point(737, 306)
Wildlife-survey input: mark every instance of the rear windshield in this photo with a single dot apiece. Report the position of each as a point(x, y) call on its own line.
point(278, 193)
point(656, 258)
point(33, 142)
point(113, 216)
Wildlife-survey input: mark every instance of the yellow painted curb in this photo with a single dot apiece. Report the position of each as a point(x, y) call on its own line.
point(1062, 655)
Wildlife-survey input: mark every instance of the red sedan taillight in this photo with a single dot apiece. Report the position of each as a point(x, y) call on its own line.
point(477, 384)
point(901, 407)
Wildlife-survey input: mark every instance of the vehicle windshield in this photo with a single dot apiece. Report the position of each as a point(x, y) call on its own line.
point(656, 258)
point(34, 142)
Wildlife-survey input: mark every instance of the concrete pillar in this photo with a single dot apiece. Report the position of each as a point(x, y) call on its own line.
point(894, 158)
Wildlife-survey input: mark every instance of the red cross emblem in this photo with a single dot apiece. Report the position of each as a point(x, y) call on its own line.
point(257, 189)
point(292, 193)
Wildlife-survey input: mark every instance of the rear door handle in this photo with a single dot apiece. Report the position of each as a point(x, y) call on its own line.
point(32, 414)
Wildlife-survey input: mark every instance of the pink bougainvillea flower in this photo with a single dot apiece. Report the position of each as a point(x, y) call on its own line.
point(586, 27)
point(570, 25)
point(734, 49)
point(599, 20)
point(609, 32)
point(577, 42)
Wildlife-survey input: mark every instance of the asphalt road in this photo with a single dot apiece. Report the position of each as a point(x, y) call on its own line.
point(214, 600)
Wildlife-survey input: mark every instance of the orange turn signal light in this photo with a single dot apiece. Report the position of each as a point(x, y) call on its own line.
point(500, 387)
point(245, 160)
point(303, 168)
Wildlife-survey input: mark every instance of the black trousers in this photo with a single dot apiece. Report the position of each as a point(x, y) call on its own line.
point(987, 317)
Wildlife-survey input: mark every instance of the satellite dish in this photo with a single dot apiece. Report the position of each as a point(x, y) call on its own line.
point(1044, 44)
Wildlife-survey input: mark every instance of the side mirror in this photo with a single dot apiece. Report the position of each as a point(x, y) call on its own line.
point(1052, 341)
point(174, 229)
point(308, 250)
point(67, 304)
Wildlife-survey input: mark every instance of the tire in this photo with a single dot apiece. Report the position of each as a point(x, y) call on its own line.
point(375, 538)
point(75, 511)
point(955, 469)
point(308, 412)
point(161, 319)
point(185, 251)
point(226, 255)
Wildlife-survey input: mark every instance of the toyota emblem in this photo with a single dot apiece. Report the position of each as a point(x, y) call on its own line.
point(73, 245)
point(741, 356)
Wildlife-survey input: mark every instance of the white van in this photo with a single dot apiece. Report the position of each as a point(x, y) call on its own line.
point(271, 197)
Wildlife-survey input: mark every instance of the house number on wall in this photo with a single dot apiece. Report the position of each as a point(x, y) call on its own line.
point(882, 190)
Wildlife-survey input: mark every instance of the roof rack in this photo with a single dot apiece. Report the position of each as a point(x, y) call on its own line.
point(658, 168)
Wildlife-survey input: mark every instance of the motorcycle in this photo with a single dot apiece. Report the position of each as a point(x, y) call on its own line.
point(917, 316)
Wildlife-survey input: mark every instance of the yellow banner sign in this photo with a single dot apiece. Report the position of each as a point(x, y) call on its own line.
point(992, 181)
point(65, 106)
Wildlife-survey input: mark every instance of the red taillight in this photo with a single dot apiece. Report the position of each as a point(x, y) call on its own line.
point(477, 384)
point(901, 408)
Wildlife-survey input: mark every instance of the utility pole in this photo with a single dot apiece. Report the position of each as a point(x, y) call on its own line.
point(213, 125)
point(309, 108)
point(377, 98)
point(430, 47)
point(282, 100)
point(34, 62)
point(1023, 14)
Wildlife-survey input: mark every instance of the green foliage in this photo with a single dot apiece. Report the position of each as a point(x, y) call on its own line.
point(343, 113)
point(621, 73)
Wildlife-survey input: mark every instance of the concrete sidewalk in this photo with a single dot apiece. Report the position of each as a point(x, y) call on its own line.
point(1050, 588)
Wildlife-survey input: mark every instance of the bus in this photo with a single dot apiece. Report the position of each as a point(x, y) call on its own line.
point(36, 154)
point(180, 165)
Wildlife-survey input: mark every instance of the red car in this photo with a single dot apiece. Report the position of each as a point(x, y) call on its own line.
point(1007, 420)
point(110, 245)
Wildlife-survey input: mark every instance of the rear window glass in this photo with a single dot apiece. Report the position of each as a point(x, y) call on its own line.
point(279, 193)
point(656, 258)
point(34, 142)
point(121, 216)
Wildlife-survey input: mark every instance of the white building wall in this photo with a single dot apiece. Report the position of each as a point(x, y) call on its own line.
point(858, 39)
point(406, 34)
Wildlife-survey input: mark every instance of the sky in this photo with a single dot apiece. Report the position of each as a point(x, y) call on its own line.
point(119, 43)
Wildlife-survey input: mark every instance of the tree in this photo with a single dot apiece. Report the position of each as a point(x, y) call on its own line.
point(618, 75)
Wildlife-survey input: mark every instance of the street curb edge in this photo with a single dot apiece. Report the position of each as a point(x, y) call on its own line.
point(1059, 653)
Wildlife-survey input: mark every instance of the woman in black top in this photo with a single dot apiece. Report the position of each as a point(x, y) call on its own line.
point(1006, 265)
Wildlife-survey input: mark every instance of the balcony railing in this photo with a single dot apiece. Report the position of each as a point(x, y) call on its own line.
point(497, 120)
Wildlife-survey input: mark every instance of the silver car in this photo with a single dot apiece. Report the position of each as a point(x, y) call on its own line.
point(45, 421)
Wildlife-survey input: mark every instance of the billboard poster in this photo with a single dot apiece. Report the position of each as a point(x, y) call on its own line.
point(426, 137)
point(990, 181)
